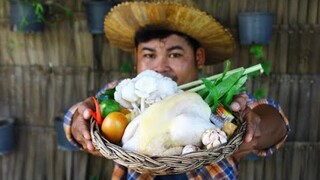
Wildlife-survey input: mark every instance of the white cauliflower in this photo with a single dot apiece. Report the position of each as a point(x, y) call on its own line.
point(145, 89)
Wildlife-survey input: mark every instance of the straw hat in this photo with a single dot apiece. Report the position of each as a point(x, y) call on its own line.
point(126, 18)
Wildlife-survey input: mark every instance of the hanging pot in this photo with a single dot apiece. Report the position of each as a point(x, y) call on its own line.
point(255, 27)
point(96, 12)
point(62, 141)
point(6, 135)
point(25, 18)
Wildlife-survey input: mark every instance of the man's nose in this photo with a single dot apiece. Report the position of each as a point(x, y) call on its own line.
point(161, 65)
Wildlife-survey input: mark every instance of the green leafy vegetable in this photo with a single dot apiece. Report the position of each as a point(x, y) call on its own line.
point(235, 89)
point(224, 86)
point(226, 69)
point(223, 89)
point(212, 99)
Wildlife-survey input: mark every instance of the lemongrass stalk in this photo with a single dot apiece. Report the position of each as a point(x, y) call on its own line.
point(211, 78)
point(199, 84)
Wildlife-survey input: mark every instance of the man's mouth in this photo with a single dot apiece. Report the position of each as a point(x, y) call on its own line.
point(174, 78)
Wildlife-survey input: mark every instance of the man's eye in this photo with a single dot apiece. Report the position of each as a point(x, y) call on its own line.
point(151, 56)
point(175, 55)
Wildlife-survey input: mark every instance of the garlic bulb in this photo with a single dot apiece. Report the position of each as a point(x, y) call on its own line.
point(213, 138)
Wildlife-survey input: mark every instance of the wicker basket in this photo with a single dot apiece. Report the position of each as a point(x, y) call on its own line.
point(164, 165)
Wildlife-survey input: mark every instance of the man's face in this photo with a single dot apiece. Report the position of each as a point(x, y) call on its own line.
point(171, 56)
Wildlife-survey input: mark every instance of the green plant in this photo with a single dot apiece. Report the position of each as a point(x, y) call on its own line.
point(23, 8)
point(126, 67)
point(258, 53)
point(94, 177)
point(40, 10)
point(55, 5)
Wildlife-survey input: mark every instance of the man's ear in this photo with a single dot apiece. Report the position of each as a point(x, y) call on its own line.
point(200, 57)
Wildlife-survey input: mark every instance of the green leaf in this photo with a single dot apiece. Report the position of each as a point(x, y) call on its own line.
point(94, 177)
point(226, 69)
point(256, 51)
point(126, 67)
point(260, 93)
point(215, 96)
point(208, 84)
point(69, 12)
point(266, 67)
point(234, 90)
point(39, 11)
point(24, 22)
point(212, 98)
point(203, 93)
point(228, 82)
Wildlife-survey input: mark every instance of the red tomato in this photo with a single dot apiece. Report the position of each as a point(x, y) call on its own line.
point(113, 126)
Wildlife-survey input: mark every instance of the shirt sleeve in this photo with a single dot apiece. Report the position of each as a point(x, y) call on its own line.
point(252, 103)
point(67, 124)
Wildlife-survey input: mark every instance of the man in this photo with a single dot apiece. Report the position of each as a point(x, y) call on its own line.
point(177, 40)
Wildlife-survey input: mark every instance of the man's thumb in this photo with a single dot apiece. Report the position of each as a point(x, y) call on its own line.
point(86, 114)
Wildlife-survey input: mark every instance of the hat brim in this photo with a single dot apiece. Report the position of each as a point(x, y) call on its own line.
point(123, 21)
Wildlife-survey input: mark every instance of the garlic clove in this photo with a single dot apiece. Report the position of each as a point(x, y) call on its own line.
point(215, 143)
point(209, 146)
point(190, 148)
point(205, 139)
point(213, 136)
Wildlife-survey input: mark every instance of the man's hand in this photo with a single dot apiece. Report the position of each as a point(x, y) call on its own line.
point(253, 131)
point(80, 126)
point(265, 126)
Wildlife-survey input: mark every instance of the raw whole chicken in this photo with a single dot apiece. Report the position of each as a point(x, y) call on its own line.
point(169, 125)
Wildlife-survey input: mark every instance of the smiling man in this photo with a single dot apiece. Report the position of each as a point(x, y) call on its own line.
point(177, 43)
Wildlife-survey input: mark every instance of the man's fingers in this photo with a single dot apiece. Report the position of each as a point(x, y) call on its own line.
point(239, 104)
point(86, 134)
point(80, 126)
point(253, 122)
point(80, 130)
point(84, 106)
point(90, 146)
point(249, 132)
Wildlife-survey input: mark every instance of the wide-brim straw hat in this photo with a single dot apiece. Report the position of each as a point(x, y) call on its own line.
point(125, 19)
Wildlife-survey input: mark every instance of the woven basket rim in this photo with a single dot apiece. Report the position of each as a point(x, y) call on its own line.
point(164, 165)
